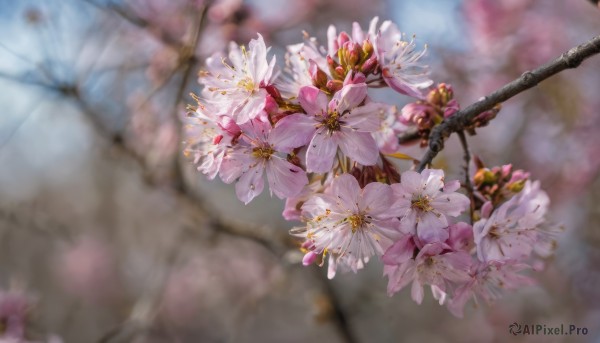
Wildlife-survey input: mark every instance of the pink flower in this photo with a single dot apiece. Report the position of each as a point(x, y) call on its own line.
point(247, 162)
point(460, 236)
point(293, 205)
point(487, 282)
point(423, 202)
point(436, 265)
point(387, 134)
point(237, 87)
point(511, 231)
point(399, 60)
point(349, 223)
point(341, 122)
point(299, 59)
point(207, 138)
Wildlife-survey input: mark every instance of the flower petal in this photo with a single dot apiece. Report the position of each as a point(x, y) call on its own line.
point(321, 152)
point(410, 183)
point(432, 228)
point(359, 146)
point(452, 204)
point(312, 100)
point(235, 164)
point(434, 181)
point(401, 251)
point(365, 118)
point(250, 184)
point(292, 131)
point(416, 292)
point(285, 179)
point(349, 97)
point(346, 188)
point(257, 63)
point(376, 198)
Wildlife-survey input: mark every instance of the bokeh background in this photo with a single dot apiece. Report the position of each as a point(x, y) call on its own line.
point(114, 237)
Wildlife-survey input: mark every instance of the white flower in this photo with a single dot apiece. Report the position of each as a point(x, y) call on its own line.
point(511, 231)
point(423, 203)
point(236, 86)
point(349, 223)
point(399, 60)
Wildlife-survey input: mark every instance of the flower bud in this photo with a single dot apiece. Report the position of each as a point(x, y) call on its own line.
point(343, 38)
point(334, 85)
point(451, 107)
point(369, 65)
point(319, 78)
point(353, 58)
point(309, 258)
point(367, 49)
point(516, 187)
point(354, 78)
point(505, 170)
point(273, 91)
point(484, 176)
point(441, 95)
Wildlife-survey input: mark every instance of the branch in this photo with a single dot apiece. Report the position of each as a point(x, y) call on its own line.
point(338, 314)
point(188, 58)
point(131, 17)
point(459, 121)
point(468, 185)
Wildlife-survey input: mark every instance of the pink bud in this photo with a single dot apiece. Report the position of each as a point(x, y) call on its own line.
point(518, 175)
point(370, 65)
point(318, 76)
point(334, 85)
point(273, 91)
point(451, 108)
point(271, 106)
point(506, 170)
point(343, 38)
point(309, 258)
point(353, 58)
point(486, 209)
point(354, 78)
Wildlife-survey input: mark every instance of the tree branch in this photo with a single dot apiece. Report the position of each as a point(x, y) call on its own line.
point(468, 185)
point(188, 57)
point(459, 121)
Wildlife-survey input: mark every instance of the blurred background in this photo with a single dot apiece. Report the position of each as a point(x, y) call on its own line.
point(107, 234)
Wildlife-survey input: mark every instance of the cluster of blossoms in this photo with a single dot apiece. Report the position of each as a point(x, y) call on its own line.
point(325, 145)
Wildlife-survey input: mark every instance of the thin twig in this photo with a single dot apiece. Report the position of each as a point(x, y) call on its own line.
point(339, 316)
point(459, 121)
point(189, 61)
point(468, 185)
point(408, 137)
point(145, 25)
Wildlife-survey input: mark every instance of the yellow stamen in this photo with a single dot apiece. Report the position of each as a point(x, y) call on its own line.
point(263, 152)
point(422, 203)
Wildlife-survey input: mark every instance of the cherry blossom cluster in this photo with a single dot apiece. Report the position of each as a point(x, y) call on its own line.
point(325, 146)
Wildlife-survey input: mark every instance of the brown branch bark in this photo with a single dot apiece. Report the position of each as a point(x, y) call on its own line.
point(568, 60)
point(468, 185)
point(189, 60)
